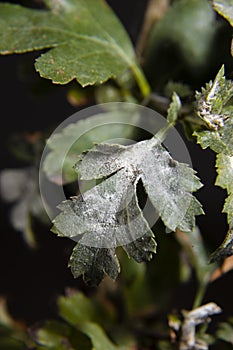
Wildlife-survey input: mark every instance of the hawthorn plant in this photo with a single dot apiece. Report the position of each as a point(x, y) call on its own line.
point(83, 40)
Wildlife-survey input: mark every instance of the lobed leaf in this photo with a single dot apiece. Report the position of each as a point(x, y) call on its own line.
point(108, 215)
point(84, 45)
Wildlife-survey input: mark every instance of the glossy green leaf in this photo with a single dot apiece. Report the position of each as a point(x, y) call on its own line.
point(77, 137)
point(84, 45)
point(108, 215)
point(212, 108)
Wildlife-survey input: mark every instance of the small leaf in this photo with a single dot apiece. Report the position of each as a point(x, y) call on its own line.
point(108, 215)
point(213, 110)
point(174, 108)
point(84, 45)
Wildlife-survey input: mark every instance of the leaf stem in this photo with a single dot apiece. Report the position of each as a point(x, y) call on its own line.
point(161, 134)
point(199, 295)
point(141, 80)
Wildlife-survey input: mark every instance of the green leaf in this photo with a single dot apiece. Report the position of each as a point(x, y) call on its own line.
point(174, 108)
point(181, 41)
point(83, 262)
point(183, 90)
point(225, 9)
point(194, 247)
point(60, 336)
point(76, 309)
point(225, 331)
point(53, 335)
point(212, 108)
point(166, 181)
point(84, 45)
point(224, 166)
point(225, 249)
point(224, 179)
point(77, 137)
point(136, 286)
point(80, 312)
point(98, 337)
point(108, 215)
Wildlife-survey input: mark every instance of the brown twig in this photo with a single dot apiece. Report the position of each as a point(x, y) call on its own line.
point(192, 319)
